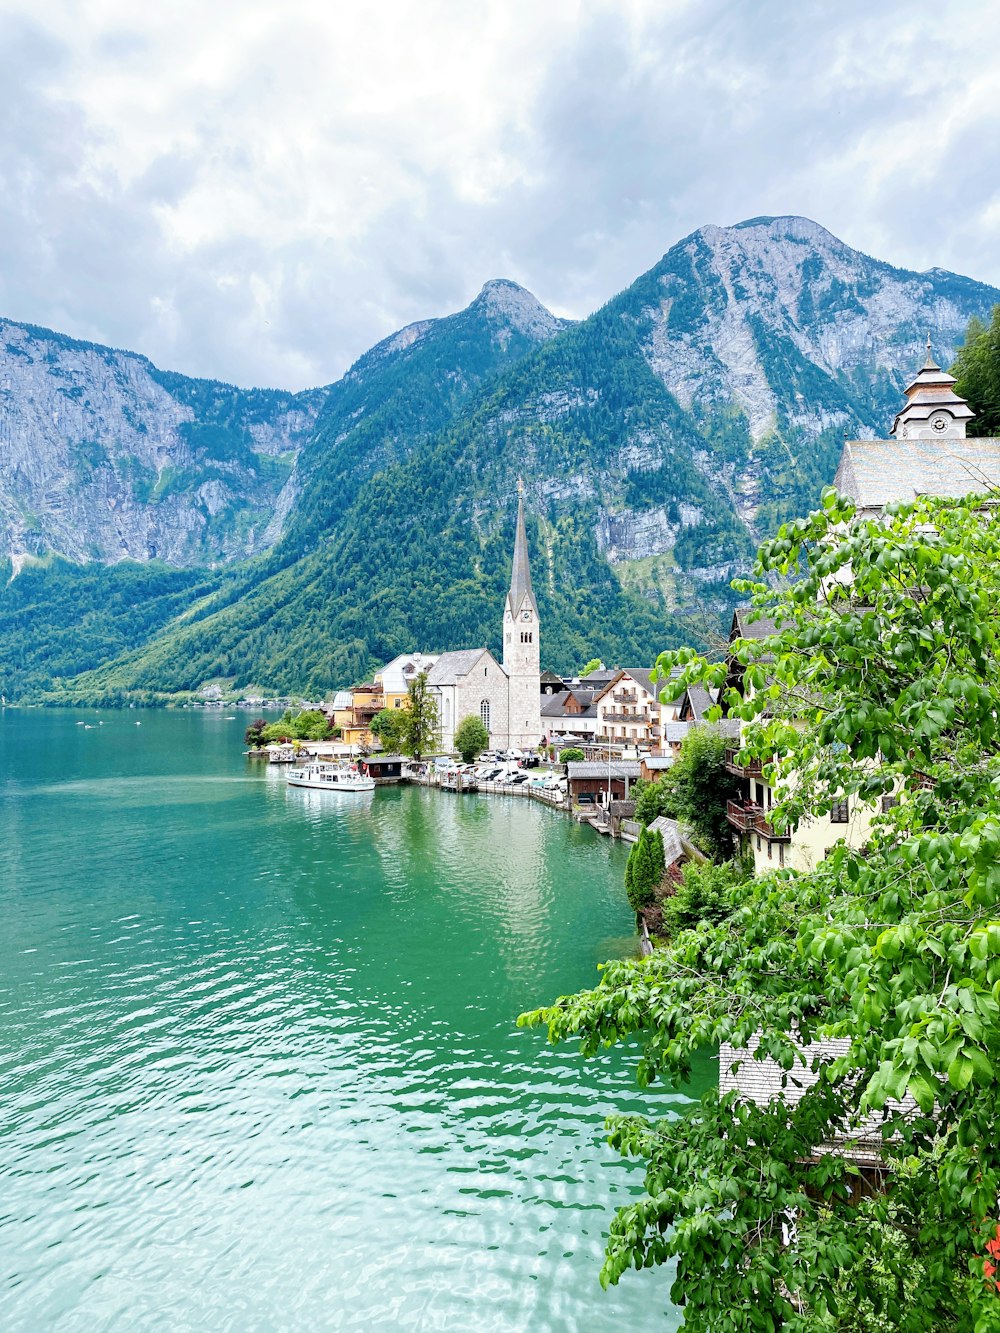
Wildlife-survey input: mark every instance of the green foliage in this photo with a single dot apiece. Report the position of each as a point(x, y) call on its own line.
point(653, 799)
point(421, 730)
point(389, 726)
point(309, 725)
point(977, 372)
point(571, 755)
point(594, 664)
point(644, 869)
point(883, 677)
point(471, 738)
point(58, 619)
point(254, 734)
point(704, 895)
point(697, 788)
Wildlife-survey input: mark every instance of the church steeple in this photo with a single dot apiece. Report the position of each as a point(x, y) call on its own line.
point(520, 577)
point(933, 410)
point(521, 648)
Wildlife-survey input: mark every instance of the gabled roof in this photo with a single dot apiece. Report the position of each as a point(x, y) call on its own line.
point(588, 768)
point(554, 705)
point(743, 627)
point(642, 676)
point(697, 702)
point(673, 843)
point(450, 668)
point(599, 677)
point(875, 473)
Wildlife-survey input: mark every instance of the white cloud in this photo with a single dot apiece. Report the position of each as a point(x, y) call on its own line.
point(259, 191)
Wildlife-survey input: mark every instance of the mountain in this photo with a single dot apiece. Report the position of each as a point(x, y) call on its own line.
point(56, 615)
point(658, 440)
point(103, 457)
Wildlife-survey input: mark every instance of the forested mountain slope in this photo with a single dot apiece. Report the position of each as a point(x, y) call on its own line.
point(658, 440)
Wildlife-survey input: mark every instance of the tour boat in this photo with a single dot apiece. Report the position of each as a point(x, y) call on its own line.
point(330, 777)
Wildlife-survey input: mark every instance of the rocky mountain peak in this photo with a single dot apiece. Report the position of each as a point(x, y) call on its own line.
point(504, 302)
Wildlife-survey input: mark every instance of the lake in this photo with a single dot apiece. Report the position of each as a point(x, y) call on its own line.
point(259, 1065)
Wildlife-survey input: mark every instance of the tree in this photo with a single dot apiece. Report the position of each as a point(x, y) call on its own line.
point(254, 734)
point(571, 755)
point(420, 729)
point(882, 679)
point(697, 788)
point(594, 664)
point(644, 869)
point(977, 372)
point(702, 895)
point(389, 726)
point(653, 799)
point(471, 737)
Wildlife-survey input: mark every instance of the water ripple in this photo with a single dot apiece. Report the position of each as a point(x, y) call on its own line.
point(258, 1062)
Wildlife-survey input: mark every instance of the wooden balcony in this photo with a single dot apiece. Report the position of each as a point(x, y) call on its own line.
point(750, 818)
point(742, 768)
point(742, 816)
point(625, 696)
point(636, 719)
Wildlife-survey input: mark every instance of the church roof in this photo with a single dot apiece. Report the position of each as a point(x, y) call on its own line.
point(450, 668)
point(875, 473)
point(520, 577)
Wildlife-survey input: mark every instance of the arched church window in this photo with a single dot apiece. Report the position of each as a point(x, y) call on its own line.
point(484, 713)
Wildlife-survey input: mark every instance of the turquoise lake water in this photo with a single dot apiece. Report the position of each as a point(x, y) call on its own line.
point(258, 1058)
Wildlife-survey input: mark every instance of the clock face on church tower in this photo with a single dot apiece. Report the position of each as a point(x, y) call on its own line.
point(525, 614)
point(939, 423)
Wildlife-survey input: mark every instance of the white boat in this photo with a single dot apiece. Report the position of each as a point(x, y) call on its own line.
point(330, 777)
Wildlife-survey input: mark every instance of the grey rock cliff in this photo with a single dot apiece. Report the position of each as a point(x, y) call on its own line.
point(104, 458)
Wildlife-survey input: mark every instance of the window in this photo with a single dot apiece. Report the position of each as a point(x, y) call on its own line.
point(839, 812)
point(781, 853)
point(484, 713)
point(888, 803)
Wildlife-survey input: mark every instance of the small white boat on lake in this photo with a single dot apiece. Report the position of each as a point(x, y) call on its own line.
point(329, 777)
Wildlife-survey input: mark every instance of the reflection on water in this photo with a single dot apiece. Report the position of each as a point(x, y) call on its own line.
point(258, 1061)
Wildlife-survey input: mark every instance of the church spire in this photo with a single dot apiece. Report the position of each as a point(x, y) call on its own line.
point(520, 577)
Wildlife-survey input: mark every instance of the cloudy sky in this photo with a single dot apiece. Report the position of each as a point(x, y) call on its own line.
point(258, 191)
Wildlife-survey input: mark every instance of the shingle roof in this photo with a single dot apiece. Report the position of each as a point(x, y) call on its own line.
point(760, 1081)
point(673, 843)
point(875, 473)
point(554, 705)
point(745, 628)
point(699, 701)
point(450, 668)
point(600, 768)
point(587, 768)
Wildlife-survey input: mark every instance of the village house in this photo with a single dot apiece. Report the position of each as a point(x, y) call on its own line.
point(928, 454)
point(569, 715)
point(592, 782)
point(396, 676)
point(629, 711)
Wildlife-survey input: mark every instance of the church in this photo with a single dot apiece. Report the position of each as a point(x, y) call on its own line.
point(506, 697)
point(929, 452)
